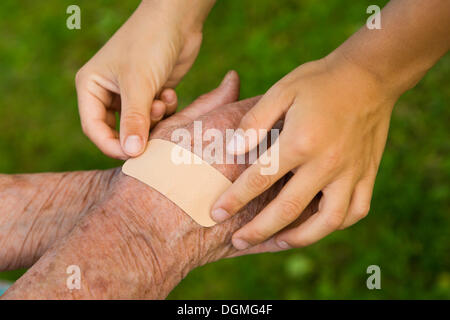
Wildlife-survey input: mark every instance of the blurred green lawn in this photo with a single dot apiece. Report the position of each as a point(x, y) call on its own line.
point(407, 231)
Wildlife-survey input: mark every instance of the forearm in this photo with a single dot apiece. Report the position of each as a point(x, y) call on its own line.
point(187, 14)
point(414, 36)
point(37, 209)
point(115, 254)
point(138, 244)
point(124, 258)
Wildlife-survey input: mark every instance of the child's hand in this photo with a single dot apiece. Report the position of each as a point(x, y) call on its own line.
point(335, 128)
point(337, 112)
point(152, 51)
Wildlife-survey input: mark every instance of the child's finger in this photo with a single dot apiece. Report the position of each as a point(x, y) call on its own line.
point(137, 97)
point(169, 97)
point(159, 108)
point(96, 117)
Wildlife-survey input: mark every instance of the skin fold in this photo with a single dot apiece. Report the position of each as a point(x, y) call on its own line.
point(39, 209)
point(128, 240)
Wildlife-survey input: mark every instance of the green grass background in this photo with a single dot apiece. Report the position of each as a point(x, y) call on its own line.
point(407, 231)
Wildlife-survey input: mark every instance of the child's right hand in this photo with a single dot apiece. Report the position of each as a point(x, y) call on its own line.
point(150, 53)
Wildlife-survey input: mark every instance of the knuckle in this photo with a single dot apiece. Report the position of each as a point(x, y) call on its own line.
point(249, 120)
point(289, 209)
point(135, 118)
point(256, 181)
point(257, 235)
point(235, 202)
point(332, 160)
point(80, 76)
point(362, 211)
point(304, 145)
point(281, 92)
point(334, 220)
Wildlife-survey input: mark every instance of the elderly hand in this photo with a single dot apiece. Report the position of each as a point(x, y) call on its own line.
point(134, 242)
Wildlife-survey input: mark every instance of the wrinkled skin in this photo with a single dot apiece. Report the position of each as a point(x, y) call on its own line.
point(128, 240)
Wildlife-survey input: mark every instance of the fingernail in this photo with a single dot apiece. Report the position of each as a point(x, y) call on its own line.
point(220, 215)
point(133, 145)
point(240, 244)
point(283, 244)
point(237, 144)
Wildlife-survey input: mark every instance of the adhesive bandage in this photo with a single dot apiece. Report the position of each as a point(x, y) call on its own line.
point(193, 185)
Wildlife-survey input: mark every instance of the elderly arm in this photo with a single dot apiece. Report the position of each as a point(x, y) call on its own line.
point(137, 243)
point(38, 209)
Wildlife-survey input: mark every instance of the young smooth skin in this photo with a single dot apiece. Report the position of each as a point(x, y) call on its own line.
point(336, 117)
point(146, 57)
